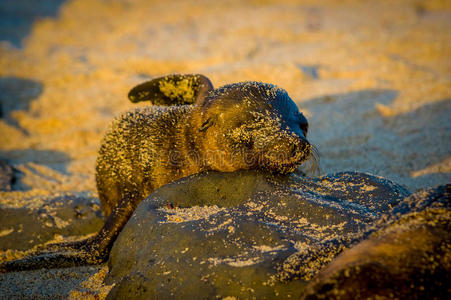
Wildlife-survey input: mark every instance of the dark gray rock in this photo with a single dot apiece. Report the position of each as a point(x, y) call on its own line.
point(240, 244)
point(6, 176)
point(407, 256)
point(68, 215)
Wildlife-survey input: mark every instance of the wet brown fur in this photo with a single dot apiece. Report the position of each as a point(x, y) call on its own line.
point(151, 146)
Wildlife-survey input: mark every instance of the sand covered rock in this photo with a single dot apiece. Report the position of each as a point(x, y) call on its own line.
point(229, 234)
point(409, 257)
point(22, 227)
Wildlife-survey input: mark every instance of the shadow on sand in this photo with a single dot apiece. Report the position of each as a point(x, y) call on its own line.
point(17, 94)
point(17, 17)
point(55, 160)
point(351, 133)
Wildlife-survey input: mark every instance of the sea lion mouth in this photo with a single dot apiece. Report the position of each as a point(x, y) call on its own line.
point(285, 162)
point(311, 165)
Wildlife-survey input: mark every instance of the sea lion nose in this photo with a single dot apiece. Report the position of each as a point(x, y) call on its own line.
point(301, 146)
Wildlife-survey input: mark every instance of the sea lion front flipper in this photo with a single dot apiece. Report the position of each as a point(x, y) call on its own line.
point(175, 89)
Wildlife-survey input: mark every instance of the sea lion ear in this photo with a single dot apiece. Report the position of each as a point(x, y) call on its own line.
point(175, 89)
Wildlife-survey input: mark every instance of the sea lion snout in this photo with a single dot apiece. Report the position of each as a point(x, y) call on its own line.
point(280, 150)
point(298, 151)
point(301, 148)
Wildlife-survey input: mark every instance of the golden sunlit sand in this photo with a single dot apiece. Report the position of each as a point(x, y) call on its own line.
point(372, 77)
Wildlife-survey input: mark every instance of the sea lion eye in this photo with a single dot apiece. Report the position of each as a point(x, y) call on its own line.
point(205, 125)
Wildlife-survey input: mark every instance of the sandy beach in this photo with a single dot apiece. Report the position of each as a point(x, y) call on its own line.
point(372, 77)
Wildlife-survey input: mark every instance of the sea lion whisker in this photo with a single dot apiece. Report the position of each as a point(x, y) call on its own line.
point(314, 160)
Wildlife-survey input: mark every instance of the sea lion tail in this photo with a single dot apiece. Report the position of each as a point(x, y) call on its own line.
point(174, 89)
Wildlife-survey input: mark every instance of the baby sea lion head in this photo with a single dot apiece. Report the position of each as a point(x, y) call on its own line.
point(256, 126)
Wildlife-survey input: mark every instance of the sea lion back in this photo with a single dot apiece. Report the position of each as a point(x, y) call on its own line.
point(133, 150)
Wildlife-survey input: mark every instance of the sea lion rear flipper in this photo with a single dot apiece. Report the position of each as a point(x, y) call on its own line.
point(175, 89)
point(49, 260)
point(61, 255)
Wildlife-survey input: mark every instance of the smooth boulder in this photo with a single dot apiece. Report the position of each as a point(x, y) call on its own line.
point(239, 234)
point(406, 256)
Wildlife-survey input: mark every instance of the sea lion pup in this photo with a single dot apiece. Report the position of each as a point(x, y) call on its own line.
point(248, 125)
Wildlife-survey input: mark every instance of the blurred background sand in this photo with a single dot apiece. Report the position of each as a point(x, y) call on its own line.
point(372, 77)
